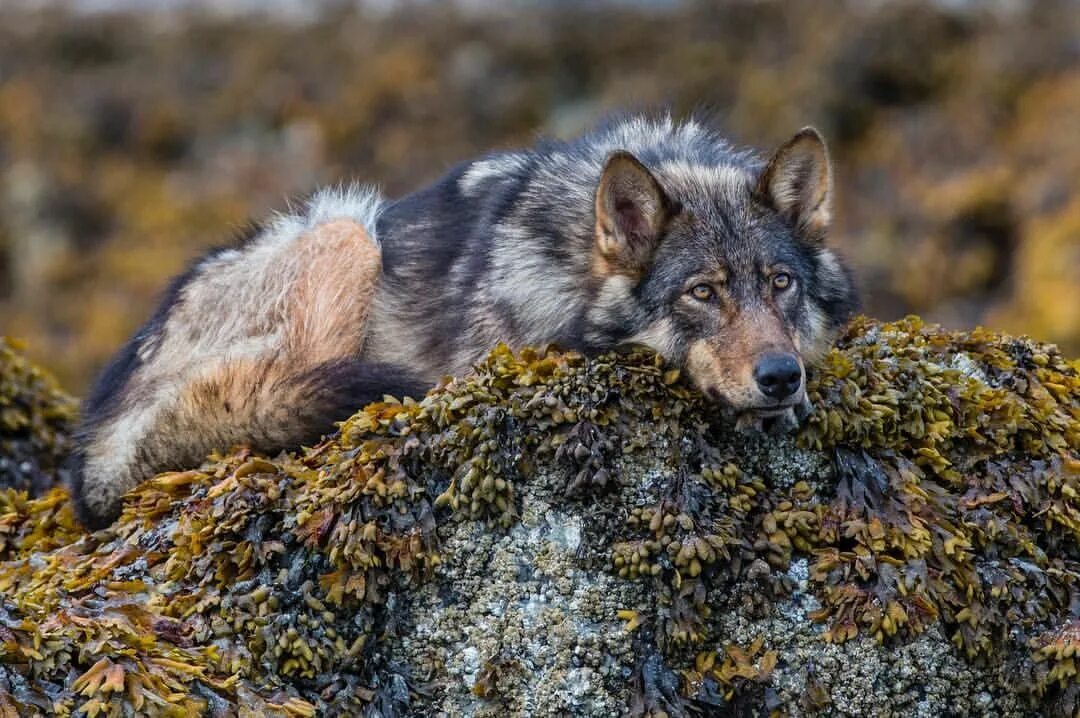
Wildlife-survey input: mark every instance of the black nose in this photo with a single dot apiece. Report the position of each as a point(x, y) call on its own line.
point(778, 375)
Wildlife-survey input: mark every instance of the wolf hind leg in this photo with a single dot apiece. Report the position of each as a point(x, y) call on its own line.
point(304, 407)
point(261, 347)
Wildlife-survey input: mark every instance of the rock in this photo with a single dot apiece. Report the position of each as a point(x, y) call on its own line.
point(556, 536)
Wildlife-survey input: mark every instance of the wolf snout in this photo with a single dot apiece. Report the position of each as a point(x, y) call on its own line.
point(778, 375)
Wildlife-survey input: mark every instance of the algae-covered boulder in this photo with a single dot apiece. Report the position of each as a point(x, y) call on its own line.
point(562, 536)
point(35, 419)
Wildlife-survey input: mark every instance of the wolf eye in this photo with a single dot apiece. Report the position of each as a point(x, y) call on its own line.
point(702, 292)
point(781, 280)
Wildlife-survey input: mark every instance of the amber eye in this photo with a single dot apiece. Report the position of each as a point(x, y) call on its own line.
point(781, 280)
point(702, 292)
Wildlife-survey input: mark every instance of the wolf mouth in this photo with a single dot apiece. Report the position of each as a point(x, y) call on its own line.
point(773, 419)
point(771, 410)
point(772, 422)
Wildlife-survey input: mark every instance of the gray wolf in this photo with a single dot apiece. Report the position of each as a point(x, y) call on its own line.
point(645, 232)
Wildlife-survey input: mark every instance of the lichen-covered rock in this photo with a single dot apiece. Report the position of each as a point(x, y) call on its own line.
point(556, 535)
point(35, 418)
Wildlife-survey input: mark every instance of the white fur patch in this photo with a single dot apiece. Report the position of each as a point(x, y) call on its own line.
point(829, 267)
point(360, 203)
point(818, 338)
point(489, 169)
point(724, 178)
point(658, 336)
point(615, 291)
point(640, 132)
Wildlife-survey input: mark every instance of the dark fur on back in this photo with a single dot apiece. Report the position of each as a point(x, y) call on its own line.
point(646, 231)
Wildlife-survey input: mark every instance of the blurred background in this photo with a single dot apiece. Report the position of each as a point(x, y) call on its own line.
point(134, 134)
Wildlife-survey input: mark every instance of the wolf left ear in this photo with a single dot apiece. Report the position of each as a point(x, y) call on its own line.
point(797, 183)
point(631, 211)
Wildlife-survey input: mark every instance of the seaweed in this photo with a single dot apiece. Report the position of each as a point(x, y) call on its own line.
point(267, 583)
point(36, 419)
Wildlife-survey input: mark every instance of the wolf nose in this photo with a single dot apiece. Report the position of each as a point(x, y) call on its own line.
point(778, 375)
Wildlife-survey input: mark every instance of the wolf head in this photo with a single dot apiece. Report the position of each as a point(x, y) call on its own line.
point(727, 268)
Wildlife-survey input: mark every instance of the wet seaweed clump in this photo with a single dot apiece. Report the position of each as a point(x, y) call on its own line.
point(958, 471)
point(35, 421)
point(933, 489)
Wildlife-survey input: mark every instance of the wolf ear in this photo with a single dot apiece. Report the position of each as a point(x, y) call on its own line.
point(631, 211)
point(797, 183)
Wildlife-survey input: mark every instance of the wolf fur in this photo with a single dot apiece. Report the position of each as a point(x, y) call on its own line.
point(647, 232)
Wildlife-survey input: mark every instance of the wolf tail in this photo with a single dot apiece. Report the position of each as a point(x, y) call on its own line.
point(259, 345)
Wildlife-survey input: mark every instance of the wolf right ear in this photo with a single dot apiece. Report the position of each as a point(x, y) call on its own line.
point(631, 211)
point(797, 183)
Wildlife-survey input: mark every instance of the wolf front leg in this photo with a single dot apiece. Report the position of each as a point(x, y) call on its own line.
point(256, 345)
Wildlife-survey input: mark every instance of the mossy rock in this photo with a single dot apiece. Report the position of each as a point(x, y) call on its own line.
point(35, 423)
point(555, 535)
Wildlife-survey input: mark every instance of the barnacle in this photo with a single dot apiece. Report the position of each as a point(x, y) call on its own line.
point(952, 498)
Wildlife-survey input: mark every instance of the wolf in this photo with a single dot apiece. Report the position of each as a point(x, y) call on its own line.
point(647, 231)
